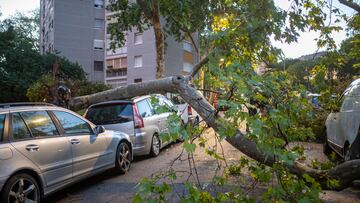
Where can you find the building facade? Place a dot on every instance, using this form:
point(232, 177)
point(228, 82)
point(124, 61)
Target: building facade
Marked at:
point(76, 29)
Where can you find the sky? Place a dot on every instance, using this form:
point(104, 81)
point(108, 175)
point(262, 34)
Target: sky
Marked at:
point(305, 44)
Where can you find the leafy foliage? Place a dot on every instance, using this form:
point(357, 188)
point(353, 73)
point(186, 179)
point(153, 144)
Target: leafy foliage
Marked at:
point(27, 75)
point(274, 106)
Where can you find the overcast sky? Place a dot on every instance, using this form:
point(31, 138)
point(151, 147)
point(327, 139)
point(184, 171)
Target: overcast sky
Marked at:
point(305, 45)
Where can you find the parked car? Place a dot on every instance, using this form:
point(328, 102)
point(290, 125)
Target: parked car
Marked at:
point(44, 148)
point(136, 117)
point(343, 128)
point(185, 111)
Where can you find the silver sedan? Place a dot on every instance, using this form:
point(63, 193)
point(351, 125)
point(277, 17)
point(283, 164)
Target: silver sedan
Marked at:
point(44, 148)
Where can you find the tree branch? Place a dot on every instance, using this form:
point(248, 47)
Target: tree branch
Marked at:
point(345, 172)
point(197, 67)
point(351, 4)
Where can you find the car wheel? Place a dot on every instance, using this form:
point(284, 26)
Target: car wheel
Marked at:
point(197, 121)
point(123, 158)
point(21, 188)
point(326, 148)
point(155, 146)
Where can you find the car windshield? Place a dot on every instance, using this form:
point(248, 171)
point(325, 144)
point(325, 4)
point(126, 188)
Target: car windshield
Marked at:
point(110, 114)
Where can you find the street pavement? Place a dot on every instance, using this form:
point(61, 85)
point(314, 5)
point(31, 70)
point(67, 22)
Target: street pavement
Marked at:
point(109, 187)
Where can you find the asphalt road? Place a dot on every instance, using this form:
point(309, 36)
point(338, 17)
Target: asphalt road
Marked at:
point(111, 187)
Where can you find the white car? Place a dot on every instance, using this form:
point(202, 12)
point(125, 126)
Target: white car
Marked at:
point(343, 128)
point(185, 111)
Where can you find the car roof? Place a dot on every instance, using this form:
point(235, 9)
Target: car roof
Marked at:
point(134, 99)
point(13, 107)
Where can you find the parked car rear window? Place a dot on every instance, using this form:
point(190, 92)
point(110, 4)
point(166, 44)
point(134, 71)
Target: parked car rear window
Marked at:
point(2, 122)
point(144, 108)
point(39, 123)
point(73, 124)
point(110, 114)
point(19, 129)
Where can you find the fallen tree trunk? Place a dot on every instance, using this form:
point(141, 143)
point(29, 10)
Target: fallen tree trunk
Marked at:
point(345, 173)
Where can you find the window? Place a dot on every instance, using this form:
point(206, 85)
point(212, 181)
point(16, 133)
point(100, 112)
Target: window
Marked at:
point(350, 104)
point(2, 122)
point(144, 108)
point(138, 62)
point(39, 123)
point(117, 63)
point(98, 44)
point(116, 73)
point(99, 3)
point(19, 129)
point(188, 67)
point(137, 80)
point(98, 65)
point(161, 104)
point(99, 23)
point(110, 114)
point(187, 46)
point(73, 124)
point(138, 38)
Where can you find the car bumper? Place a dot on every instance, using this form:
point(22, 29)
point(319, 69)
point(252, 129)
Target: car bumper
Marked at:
point(140, 146)
point(2, 182)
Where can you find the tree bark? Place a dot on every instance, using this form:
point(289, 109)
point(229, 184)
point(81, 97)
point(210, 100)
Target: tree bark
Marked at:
point(159, 40)
point(345, 173)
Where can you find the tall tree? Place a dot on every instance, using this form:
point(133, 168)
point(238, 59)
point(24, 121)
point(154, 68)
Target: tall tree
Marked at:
point(180, 19)
point(274, 105)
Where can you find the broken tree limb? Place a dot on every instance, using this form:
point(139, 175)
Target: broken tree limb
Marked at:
point(346, 172)
point(136, 89)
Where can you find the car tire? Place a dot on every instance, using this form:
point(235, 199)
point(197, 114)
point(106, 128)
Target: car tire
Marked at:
point(123, 158)
point(326, 148)
point(197, 121)
point(21, 188)
point(155, 146)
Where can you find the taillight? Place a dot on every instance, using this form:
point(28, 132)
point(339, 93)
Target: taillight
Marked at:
point(189, 110)
point(138, 121)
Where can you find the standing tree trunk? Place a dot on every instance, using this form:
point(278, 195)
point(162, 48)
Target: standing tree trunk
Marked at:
point(159, 39)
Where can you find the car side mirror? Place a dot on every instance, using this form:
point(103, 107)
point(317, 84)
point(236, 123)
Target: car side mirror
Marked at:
point(99, 129)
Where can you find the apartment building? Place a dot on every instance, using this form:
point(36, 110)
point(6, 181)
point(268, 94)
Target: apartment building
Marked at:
point(76, 29)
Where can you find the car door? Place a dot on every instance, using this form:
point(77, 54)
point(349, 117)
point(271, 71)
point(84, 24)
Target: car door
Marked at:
point(349, 116)
point(34, 134)
point(332, 127)
point(90, 151)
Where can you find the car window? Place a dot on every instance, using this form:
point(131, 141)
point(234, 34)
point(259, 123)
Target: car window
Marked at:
point(350, 103)
point(39, 123)
point(354, 91)
point(19, 129)
point(165, 104)
point(110, 114)
point(144, 108)
point(2, 122)
point(73, 124)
